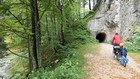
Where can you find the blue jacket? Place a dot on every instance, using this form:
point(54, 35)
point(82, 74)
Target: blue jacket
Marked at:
point(123, 51)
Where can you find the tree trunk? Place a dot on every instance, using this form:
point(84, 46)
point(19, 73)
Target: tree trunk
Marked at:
point(62, 26)
point(54, 24)
point(36, 36)
point(47, 29)
point(62, 34)
point(89, 4)
point(98, 3)
point(61, 29)
point(83, 5)
point(29, 41)
point(94, 3)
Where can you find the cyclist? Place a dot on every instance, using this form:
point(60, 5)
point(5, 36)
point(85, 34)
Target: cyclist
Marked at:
point(123, 51)
point(123, 54)
point(116, 40)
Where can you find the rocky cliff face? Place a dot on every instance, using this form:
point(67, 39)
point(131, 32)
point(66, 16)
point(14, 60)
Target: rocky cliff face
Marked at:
point(116, 16)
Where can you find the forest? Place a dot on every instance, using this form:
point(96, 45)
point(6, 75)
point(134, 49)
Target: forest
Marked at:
point(48, 39)
point(41, 37)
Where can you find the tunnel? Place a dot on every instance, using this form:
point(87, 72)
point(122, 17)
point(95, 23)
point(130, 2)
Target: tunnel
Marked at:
point(101, 37)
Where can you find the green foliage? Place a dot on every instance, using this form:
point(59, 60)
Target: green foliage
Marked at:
point(135, 55)
point(3, 47)
point(78, 32)
point(90, 15)
point(67, 70)
point(19, 67)
point(70, 63)
point(69, 56)
point(134, 44)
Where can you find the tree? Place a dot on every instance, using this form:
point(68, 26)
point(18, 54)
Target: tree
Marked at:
point(35, 38)
point(46, 30)
point(89, 4)
point(60, 6)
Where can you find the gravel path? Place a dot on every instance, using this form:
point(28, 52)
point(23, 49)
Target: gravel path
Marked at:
point(101, 65)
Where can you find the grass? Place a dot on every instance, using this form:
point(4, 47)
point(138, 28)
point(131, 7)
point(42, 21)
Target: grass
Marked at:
point(18, 66)
point(70, 67)
point(136, 56)
point(89, 48)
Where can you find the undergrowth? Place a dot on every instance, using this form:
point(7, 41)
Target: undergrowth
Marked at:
point(133, 46)
point(69, 68)
point(71, 59)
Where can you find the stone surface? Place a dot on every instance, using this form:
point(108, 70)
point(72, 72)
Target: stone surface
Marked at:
point(120, 16)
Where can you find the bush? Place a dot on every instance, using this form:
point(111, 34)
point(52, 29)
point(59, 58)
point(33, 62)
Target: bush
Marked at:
point(67, 70)
point(134, 44)
point(3, 48)
point(71, 59)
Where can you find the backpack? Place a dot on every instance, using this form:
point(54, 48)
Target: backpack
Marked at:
point(123, 52)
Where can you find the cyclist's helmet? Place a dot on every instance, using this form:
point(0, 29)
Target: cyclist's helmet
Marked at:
point(121, 44)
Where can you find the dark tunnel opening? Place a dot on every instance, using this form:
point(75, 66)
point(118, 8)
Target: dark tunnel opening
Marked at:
point(101, 37)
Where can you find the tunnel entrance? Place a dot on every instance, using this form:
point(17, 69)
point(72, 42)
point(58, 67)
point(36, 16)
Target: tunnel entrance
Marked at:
point(101, 37)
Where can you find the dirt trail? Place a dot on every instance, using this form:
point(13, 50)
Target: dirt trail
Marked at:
point(101, 65)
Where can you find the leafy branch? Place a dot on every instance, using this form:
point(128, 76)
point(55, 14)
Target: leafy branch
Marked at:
point(15, 17)
point(17, 54)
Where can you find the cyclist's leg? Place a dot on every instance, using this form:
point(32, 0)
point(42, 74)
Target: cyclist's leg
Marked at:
point(115, 49)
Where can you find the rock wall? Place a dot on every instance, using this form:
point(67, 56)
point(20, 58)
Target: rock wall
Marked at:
point(116, 16)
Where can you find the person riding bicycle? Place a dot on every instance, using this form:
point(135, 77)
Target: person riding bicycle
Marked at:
point(116, 40)
point(123, 51)
point(123, 54)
